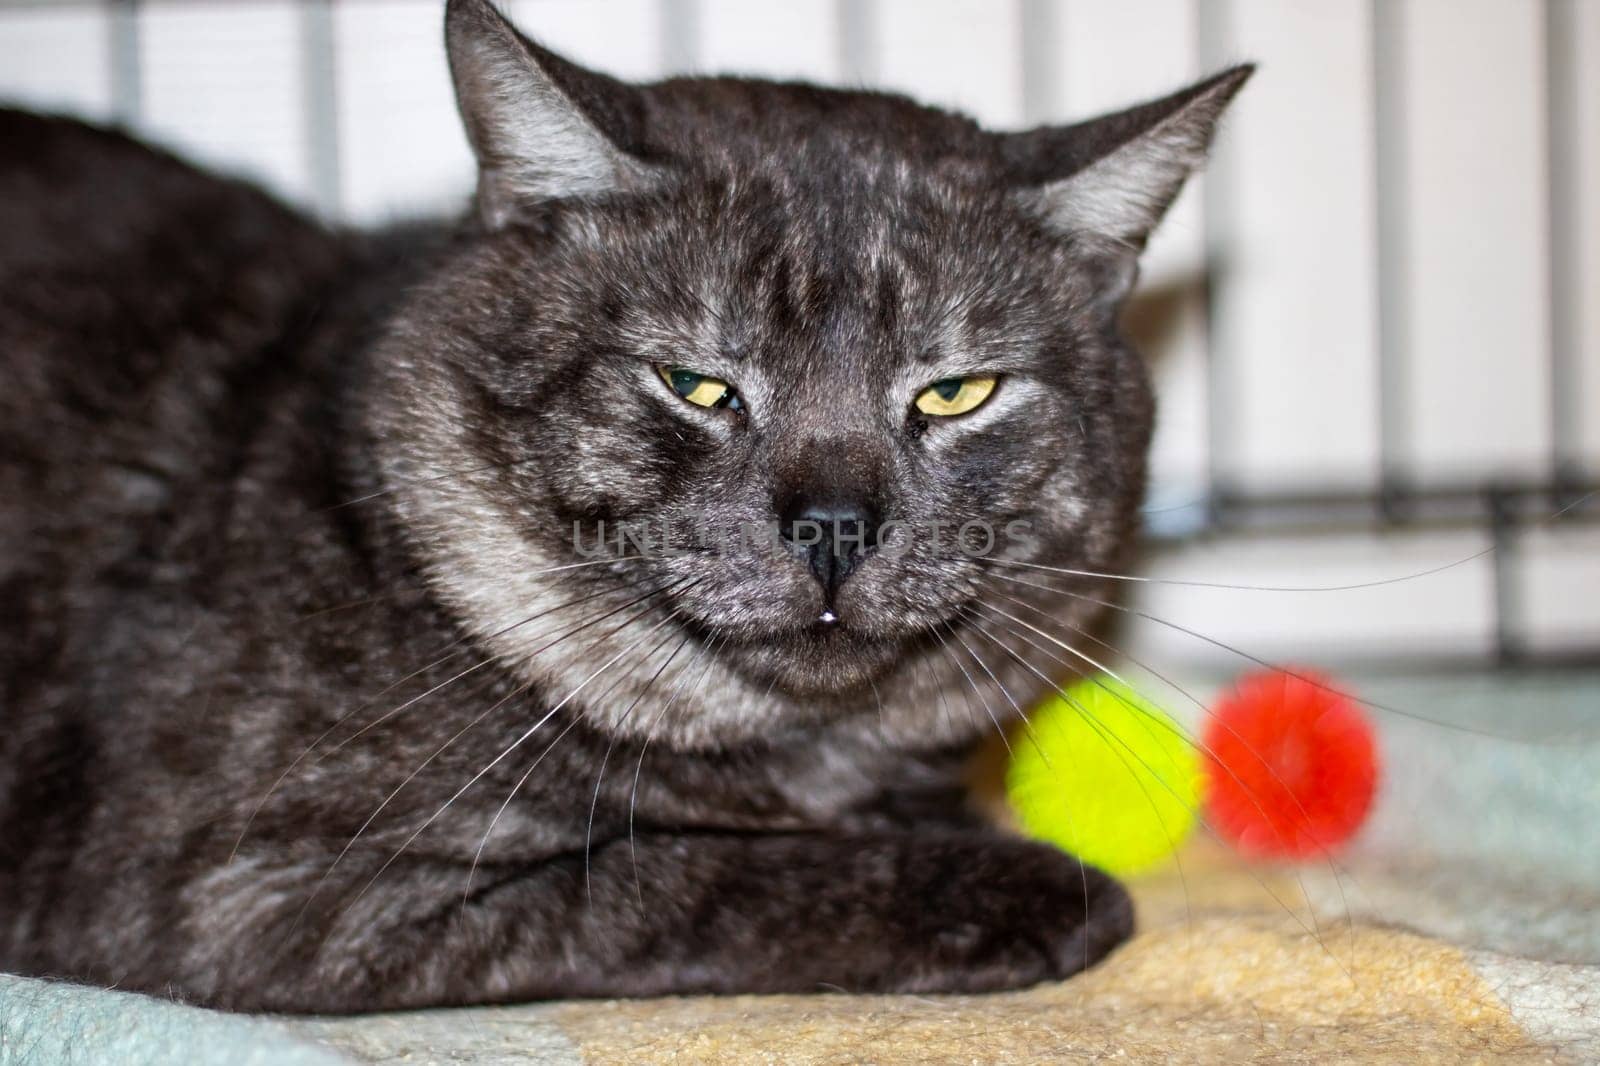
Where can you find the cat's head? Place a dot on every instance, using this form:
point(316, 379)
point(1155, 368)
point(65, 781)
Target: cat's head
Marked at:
point(749, 395)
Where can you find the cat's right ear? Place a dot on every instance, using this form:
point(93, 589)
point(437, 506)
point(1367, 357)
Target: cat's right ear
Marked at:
point(541, 127)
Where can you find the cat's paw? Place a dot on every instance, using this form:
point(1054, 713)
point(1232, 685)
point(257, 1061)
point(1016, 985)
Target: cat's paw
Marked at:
point(984, 912)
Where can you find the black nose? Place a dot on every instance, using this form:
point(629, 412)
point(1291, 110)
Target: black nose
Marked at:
point(832, 536)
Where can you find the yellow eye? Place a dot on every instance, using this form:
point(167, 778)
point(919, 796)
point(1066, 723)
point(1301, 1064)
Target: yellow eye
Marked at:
point(955, 396)
point(698, 389)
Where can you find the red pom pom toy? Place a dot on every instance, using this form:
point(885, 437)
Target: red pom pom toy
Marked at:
point(1291, 764)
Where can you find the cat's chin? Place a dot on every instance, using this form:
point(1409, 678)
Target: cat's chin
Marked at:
point(823, 660)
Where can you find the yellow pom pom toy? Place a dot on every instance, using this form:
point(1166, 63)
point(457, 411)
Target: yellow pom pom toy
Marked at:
point(1104, 774)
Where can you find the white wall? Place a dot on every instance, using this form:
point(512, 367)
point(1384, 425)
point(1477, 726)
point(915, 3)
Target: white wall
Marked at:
point(1367, 281)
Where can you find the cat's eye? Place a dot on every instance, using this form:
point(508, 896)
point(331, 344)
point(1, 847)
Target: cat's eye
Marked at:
point(700, 389)
point(955, 396)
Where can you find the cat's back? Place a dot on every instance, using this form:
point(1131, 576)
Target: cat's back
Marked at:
point(137, 297)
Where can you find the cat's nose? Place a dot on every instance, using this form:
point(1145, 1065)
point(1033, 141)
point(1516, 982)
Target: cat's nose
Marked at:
point(833, 536)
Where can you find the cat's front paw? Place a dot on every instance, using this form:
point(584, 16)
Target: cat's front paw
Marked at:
point(986, 912)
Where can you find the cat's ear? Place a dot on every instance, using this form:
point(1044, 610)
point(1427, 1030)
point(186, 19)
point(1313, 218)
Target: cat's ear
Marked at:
point(541, 127)
point(1113, 177)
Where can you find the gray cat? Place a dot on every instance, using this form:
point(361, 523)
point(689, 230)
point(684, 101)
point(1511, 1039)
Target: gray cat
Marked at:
point(375, 635)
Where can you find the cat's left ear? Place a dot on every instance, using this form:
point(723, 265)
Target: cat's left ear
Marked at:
point(1113, 177)
point(542, 128)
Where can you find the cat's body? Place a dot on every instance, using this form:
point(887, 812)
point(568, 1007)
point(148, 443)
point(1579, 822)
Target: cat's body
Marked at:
point(293, 616)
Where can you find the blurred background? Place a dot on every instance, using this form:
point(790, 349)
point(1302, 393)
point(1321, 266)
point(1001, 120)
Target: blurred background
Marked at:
point(1371, 320)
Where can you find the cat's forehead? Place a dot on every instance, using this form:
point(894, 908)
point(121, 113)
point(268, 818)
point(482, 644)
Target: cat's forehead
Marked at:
point(904, 265)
